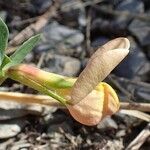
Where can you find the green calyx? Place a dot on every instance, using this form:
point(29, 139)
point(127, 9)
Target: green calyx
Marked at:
point(35, 85)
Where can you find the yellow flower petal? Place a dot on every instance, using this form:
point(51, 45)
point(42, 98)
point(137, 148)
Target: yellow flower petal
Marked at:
point(95, 106)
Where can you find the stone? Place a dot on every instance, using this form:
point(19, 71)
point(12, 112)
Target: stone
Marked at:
point(11, 110)
point(63, 65)
point(56, 33)
point(148, 53)
point(55, 139)
point(73, 13)
point(22, 146)
point(56, 128)
point(57, 131)
point(128, 121)
point(11, 128)
point(82, 18)
point(40, 6)
point(114, 145)
point(133, 6)
point(29, 57)
point(146, 4)
point(132, 64)
point(105, 27)
point(121, 133)
point(141, 30)
point(42, 47)
point(107, 123)
point(3, 15)
point(61, 39)
point(99, 41)
point(42, 147)
point(144, 72)
point(142, 94)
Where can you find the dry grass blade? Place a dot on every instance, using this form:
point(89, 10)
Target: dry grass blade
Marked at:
point(137, 114)
point(144, 107)
point(140, 139)
point(102, 62)
point(29, 98)
point(42, 99)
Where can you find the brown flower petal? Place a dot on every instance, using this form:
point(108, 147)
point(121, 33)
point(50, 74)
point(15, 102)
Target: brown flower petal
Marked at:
point(102, 62)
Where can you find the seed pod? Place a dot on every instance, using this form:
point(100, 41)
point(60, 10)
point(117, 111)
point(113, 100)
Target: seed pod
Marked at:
point(102, 62)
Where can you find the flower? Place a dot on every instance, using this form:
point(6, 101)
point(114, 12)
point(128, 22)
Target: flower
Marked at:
point(87, 98)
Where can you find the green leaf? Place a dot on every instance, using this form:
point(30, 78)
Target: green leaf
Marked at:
point(2, 72)
point(22, 51)
point(6, 60)
point(3, 39)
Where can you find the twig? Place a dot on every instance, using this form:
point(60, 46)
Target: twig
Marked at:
point(88, 31)
point(46, 100)
point(123, 90)
point(29, 99)
point(145, 107)
point(68, 137)
point(125, 80)
point(137, 114)
point(43, 20)
point(78, 4)
point(4, 145)
point(41, 60)
point(140, 139)
point(22, 22)
point(11, 49)
point(35, 27)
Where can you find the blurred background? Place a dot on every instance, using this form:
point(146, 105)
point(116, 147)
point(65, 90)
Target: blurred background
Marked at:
point(71, 31)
